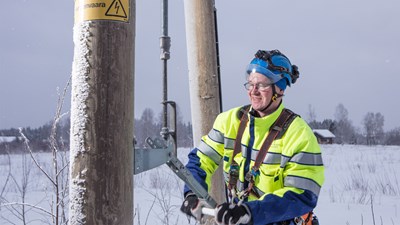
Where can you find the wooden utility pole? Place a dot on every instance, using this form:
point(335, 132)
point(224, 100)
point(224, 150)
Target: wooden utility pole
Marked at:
point(101, 156)
point(203, 76)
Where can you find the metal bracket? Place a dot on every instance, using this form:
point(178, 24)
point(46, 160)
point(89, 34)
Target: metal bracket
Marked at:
point(164, 152)
point(182, 172)
point(149, 158)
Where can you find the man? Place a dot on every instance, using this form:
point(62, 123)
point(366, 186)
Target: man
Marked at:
point(271, 159)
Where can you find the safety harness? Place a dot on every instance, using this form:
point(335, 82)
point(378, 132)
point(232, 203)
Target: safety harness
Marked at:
point(277, 130)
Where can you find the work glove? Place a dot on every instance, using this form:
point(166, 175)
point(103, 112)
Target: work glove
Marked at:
point(192, 206)
point(228, 214)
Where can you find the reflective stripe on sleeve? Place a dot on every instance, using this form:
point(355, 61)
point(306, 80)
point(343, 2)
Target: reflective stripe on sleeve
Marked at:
point(210, 152)
point(216, 136)
point(284, 161)
point(302, 183)
point(229, 143)
point(306, 158)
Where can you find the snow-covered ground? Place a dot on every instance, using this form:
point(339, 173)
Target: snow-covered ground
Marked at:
point(362, 187)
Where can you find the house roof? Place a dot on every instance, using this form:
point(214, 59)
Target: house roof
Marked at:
point(324, 133)
point(6, 139)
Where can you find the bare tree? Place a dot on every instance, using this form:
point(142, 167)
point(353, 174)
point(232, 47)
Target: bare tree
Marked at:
point(344, 130)
point(57, 176)
point(3, 199)
point(60, 167)
point(22, 188)
point(341, 113)
point(373, 128)
point(311, 115)
point(146, 126)
point(18, 207)
point(4, 186)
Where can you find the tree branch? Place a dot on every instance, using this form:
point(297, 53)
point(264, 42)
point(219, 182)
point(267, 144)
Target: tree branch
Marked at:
point(27, 204)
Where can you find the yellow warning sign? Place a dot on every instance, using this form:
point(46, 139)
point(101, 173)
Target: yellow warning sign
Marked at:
point(102, 10)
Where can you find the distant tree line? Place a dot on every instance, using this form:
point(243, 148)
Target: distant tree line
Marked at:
point(148, 125)
point(38, 138)
point(371, 133)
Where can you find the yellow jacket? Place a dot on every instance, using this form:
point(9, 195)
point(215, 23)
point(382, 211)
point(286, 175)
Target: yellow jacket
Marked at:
point(291, 174)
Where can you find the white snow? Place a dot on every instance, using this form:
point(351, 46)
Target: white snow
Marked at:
point(362, 187)
point(80, 86)
point(77, 194)
point(79, 117)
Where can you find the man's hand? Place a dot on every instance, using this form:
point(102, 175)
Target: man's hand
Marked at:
point(227, 214)
point(192, 206)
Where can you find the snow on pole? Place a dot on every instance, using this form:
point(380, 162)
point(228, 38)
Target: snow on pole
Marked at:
point(101, 136)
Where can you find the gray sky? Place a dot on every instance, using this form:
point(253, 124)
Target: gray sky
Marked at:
point(347, 52)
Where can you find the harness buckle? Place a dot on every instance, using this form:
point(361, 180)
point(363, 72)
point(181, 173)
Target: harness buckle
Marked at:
point(254, 172)
point(233, 175)
point(299, 220)
point(249, 177)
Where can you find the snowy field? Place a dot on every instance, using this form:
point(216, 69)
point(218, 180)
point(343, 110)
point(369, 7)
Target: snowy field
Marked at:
point(362, 187)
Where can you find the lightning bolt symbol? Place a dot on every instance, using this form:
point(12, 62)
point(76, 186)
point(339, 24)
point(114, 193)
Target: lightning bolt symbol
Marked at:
point(116, 6)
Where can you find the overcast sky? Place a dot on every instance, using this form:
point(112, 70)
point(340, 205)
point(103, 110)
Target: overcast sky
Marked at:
point(347, 52)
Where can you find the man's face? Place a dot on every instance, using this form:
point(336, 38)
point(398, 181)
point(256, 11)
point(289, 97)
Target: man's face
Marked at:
point(261, 98)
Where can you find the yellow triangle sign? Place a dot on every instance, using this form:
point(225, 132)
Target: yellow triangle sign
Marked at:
point(116, 9)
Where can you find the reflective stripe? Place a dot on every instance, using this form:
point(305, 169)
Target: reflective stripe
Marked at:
point(210, 152)
point(303, 158)
point(270, 158)
point(229, 143)
point(302, 183)
point(285, 160)
point(216, 136)
point(306, 158)
point(244, 150)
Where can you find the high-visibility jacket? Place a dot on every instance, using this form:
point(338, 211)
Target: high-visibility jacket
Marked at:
point(291, 174)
